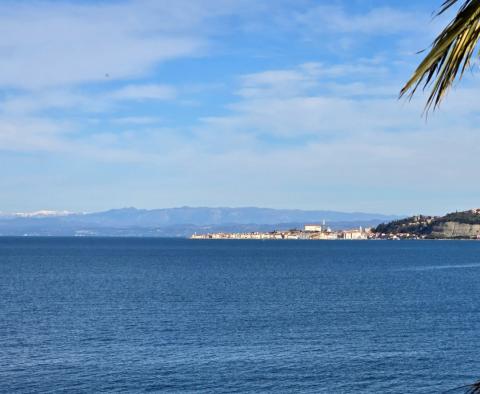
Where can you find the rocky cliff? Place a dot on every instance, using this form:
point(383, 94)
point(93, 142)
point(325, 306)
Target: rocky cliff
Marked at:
point(456, 225)
point(455, 230)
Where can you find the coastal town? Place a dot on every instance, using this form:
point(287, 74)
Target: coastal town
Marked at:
point(463, 225)
point(309, 232)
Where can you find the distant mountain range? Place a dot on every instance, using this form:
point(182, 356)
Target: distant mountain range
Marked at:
point(176, 222)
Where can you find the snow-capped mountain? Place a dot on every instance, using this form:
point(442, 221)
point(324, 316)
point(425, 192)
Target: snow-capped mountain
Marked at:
point(35, 214)
point(42, 214)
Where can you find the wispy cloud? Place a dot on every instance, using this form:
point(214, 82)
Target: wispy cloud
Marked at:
point(49, 43)
point(374, 21)
point(144, 92)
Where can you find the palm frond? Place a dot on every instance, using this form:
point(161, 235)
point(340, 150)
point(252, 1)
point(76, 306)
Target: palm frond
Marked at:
point(450, 54)
point(474, 388)
point(467, 389)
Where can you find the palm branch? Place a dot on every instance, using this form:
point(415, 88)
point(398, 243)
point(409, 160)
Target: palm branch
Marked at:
point(447, 60)
point(474, 388)
point(450, 53)
point(467, 389)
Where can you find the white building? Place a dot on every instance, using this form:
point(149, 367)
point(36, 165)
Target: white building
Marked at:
point(354, 234)
point(312, 228)
point(324, 235)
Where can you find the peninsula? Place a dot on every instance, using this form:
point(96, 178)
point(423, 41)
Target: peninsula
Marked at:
point(456, 225)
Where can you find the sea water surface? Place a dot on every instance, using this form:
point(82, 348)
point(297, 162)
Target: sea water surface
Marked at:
point(171, 315)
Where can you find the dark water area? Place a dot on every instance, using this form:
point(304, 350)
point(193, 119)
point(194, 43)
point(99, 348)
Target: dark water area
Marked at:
point(170, 315)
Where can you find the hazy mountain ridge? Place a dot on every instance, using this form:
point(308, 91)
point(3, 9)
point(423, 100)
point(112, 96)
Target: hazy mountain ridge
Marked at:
point(182, 221)
point(205, 215)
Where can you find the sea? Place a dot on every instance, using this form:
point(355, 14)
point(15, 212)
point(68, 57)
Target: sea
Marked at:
point(95, 315)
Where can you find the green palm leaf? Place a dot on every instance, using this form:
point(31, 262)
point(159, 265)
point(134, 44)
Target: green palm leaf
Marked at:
point(450, 54)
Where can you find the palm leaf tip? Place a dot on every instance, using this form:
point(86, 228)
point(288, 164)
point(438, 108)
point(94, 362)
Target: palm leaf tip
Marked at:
point(449, 55)
point(474, 388)
point(467, 389)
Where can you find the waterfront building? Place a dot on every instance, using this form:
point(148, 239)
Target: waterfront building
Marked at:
point(312, 228)
point(354, 234)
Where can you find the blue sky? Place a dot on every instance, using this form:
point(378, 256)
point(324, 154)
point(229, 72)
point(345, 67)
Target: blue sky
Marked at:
point(285, 104)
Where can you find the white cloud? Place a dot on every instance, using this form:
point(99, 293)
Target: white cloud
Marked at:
point(29, 134)
point(144, 92)
point(279, 83)
point(137, 120)
point(376, 21)
point(48, 43)
point(313, 99)
point(36, 101)
point(306, 77)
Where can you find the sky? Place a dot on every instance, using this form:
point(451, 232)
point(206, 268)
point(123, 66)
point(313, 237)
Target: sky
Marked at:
point(281, 104)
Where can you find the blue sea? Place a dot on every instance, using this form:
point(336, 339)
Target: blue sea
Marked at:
point(172, 315)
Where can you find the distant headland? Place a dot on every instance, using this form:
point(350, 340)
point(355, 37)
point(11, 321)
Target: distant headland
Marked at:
point(455, 225)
